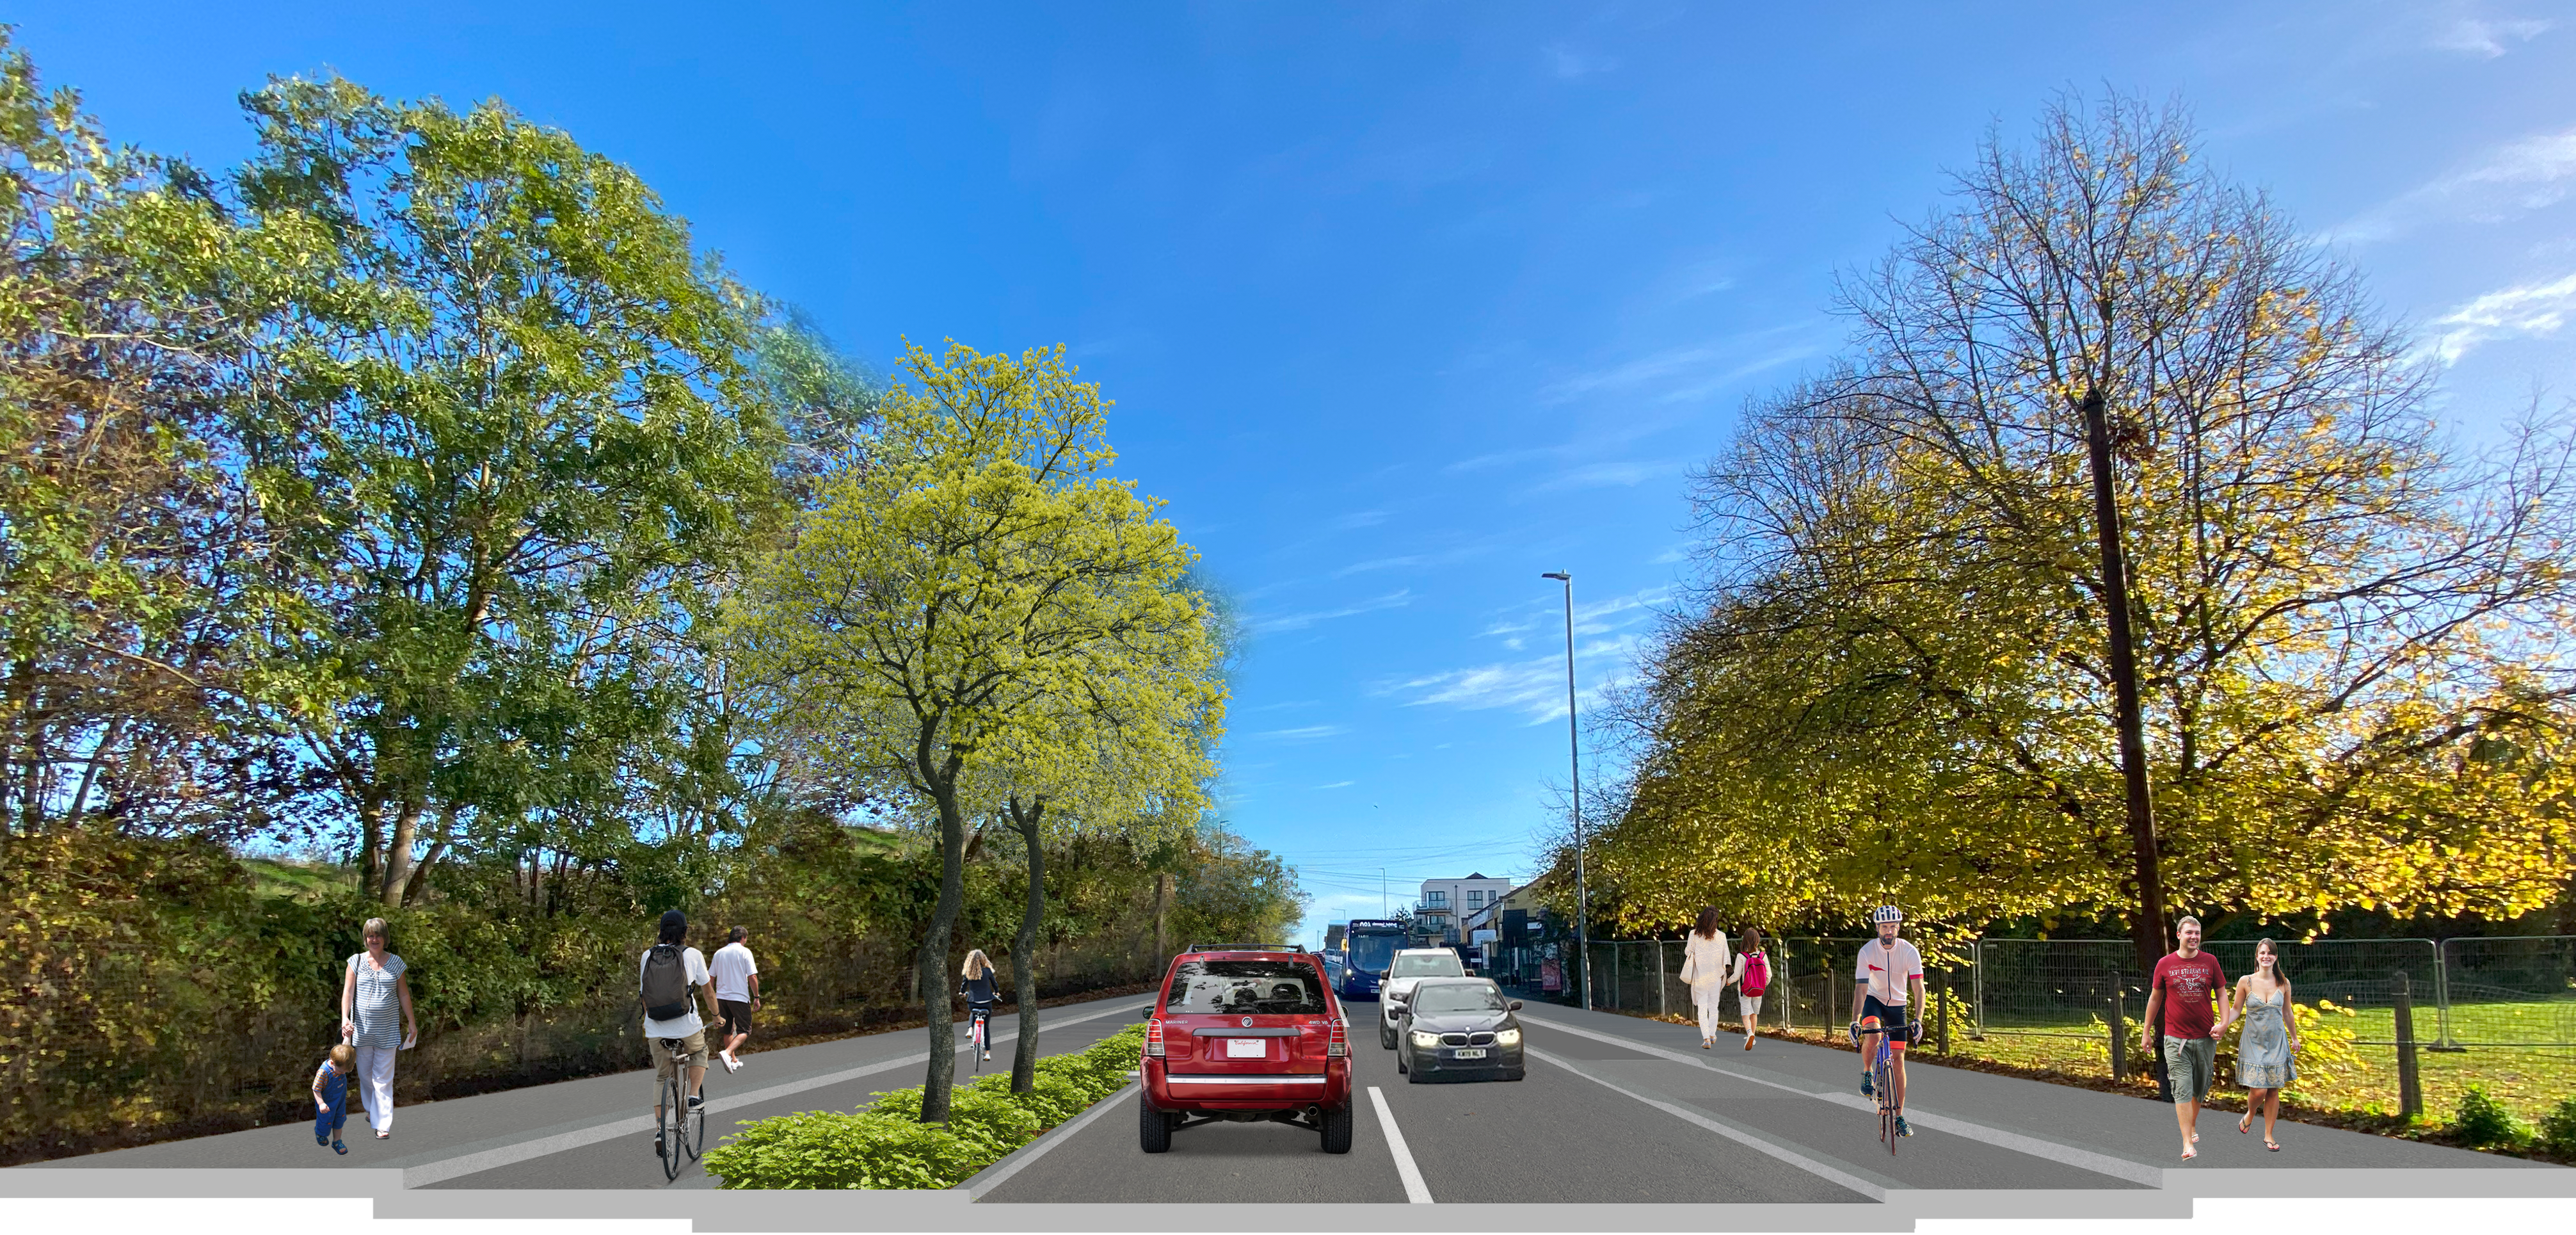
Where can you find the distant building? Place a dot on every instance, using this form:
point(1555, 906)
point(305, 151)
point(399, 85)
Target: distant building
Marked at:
point(1446, 903)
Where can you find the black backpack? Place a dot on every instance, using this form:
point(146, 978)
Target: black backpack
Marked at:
point(666, 983)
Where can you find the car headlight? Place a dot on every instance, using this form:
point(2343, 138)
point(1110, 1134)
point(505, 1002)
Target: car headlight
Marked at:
point(1425, 1039)
point(1507, 1037)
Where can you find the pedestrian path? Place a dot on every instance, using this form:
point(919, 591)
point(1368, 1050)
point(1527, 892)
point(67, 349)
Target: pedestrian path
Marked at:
point(436, 1142)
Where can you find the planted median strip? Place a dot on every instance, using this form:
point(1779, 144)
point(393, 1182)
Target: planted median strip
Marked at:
point(885, 1144)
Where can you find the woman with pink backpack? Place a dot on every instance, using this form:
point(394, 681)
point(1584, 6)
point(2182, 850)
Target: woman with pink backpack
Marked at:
point(1752, 976)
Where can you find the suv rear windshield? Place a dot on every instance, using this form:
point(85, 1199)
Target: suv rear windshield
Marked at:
point(1267, 988)
point(1454, 997)
point(1444, 965)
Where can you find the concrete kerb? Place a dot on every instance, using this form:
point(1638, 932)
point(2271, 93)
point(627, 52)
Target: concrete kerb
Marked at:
point(2094, 1161)
point(991, 1177)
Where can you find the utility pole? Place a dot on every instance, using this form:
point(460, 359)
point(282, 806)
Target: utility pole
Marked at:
point(1574, 764)
point(2148, 932)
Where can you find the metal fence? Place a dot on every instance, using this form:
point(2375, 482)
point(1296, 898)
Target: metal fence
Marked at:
point(2508, 992)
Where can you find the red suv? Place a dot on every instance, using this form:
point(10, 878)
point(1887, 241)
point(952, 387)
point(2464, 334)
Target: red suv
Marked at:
point(1246, 1035)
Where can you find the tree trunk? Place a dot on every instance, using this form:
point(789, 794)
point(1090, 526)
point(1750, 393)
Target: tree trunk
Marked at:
point(1024, 949)
point(2147, 929)
point(936, 984)
point(398, 856)
point(1162, 933)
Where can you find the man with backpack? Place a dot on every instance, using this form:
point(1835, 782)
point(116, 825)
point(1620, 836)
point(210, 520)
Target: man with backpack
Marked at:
point(671, 971)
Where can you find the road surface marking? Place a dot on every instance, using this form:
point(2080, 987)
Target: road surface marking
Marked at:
point(2063, 1155)
point(991, 1177)
point(1831, 1174)
point(467, 1164)
point(1415, 1191)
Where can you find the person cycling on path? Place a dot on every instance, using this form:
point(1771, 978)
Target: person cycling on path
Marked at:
point(671, 971)
point(981, 994)
point(1886, 982)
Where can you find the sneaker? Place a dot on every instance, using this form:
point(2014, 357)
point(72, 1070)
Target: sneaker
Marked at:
point(695, 1100)
point(732, 1064)
point(1901, 1128)
point(658, 1149)
point(1866, 1089)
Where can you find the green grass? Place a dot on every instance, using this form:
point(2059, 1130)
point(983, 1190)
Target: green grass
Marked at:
point(303, 881)
point(2529, 1081)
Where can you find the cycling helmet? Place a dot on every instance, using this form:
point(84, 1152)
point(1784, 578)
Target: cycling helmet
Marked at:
point(1885, 913)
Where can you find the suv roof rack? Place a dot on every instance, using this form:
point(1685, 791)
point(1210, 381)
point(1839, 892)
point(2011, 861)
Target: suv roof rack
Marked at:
point(1245, 947)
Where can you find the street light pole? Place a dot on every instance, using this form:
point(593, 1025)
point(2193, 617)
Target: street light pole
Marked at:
point(1574, 762)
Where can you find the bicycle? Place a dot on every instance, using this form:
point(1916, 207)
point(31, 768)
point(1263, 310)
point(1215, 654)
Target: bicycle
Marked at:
point(1882, 1074)
point(979, 1033)
point(683, 1129)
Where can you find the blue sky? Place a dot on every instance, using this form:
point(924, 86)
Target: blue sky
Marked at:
point(1403, 304)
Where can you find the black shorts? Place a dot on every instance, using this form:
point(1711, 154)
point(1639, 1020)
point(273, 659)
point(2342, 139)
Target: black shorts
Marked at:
point(737, 1016)
point(1891, 1020)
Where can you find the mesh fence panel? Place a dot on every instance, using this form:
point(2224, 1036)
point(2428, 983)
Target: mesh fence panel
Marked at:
point(2514, 992)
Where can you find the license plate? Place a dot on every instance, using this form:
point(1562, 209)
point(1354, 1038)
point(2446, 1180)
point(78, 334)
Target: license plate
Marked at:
point(1468, 1052)
point(1247, 1048)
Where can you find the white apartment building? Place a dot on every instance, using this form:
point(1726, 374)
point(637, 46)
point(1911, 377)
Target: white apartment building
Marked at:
point(1446, 902)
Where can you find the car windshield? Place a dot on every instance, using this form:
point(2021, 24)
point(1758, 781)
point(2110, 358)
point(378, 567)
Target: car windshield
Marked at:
point(1454, 997)
point(1370, 953)
point(1444, 965)
point(1266, 988)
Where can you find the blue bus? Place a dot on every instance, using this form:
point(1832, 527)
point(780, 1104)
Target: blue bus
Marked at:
point(1368, 948)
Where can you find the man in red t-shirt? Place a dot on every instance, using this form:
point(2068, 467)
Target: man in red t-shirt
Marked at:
point(2191, 992)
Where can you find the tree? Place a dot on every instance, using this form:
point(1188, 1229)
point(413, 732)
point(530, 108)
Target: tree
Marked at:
point(981, 579)
point(133, 559)
point(505, 406)
point(2350, 635)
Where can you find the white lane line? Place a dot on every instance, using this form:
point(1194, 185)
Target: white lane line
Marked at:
point(1415, 1191)
point(2064, 1155)
point(1821, 1170)
point(445, 1169)
point(991, 1177)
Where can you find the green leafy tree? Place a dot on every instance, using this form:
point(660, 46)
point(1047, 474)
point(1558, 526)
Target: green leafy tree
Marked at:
point(980, 582)
point(508, 410)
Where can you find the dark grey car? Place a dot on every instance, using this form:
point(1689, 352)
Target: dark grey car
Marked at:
point(1459, 1029)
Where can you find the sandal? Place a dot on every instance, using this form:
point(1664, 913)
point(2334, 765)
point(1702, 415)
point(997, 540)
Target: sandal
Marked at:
point(2246, 1124)
point(2270, 1144)
point(2189, 1154)
point(342, 1148)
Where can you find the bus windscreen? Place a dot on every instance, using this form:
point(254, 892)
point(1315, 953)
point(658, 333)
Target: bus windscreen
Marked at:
point(1372, 953)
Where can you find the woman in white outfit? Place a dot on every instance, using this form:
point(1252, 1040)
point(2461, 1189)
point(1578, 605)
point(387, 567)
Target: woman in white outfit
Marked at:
point(1704, 966)
point(373, 986)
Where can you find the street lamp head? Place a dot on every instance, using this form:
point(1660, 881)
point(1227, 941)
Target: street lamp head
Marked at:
point(1558, 575)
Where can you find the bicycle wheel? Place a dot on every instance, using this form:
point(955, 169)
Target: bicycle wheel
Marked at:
point(696, 1123)
point(672, 1124)
point(1887, 1095)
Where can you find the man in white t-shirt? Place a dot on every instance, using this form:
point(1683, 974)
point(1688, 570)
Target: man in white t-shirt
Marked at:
point(737, 992)
point(669, 974)
point(1887, 983)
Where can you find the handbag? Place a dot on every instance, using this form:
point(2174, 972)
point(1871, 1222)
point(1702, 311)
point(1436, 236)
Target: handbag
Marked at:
point(1690, 966)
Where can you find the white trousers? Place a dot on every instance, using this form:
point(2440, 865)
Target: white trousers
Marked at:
point(1706, 999)
point(376, 1073)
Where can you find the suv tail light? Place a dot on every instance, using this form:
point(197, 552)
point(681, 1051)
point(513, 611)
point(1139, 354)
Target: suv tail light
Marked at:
point(1154, 1038)
point(1336, 1047)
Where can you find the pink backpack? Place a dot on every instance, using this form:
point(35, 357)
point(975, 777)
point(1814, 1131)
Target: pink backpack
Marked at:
point(1757, 973)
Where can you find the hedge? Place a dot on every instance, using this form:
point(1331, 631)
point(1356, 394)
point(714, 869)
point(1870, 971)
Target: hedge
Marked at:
point(885, 1144)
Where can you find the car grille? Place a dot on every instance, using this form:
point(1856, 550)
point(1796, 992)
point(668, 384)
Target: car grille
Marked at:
point(1466, 1039)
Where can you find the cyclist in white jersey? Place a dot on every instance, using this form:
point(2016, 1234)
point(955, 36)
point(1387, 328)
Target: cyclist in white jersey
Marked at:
point(1887, 982)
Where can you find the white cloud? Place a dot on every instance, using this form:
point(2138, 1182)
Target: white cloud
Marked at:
point(1305, 733)
point(1536, 687)
point(1339, 784)
point(2480, 37)
point(2517, 178)
point(1359, 519)
point(1620, 474)
point(1396, 599)
point(2528, 309)
point(1677, 374)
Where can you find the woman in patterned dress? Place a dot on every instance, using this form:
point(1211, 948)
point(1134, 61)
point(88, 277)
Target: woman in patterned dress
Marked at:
point(373, 986)
point(2265, 1054)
